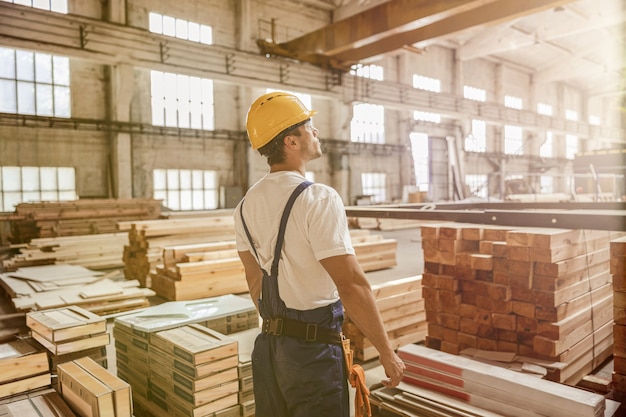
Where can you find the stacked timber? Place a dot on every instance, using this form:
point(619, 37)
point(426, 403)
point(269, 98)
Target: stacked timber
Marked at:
point(245, 343)
point(23, 367)
point(383, 223)
point(458, 386)
point(146, 240)
point(78, 217)
point(193, 371)
point(401, 307)
point(212, 272)
point(59, 285)
point(618, 272)
point(539, 293)
point(39, 402)
point(69, 333)
point(373, 251)
point(99, 252)
point(134, 336)
point(91, 390)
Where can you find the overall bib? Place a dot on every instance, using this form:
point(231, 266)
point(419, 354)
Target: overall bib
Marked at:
point(297, 360)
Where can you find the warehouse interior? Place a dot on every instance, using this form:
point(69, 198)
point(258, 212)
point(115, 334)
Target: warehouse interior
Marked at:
point(479, 146)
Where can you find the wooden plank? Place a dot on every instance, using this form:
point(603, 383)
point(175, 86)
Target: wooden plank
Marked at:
point(19, 359)
point(468, 378)
point(84, 393)
point(122, 397)
point(65, 323)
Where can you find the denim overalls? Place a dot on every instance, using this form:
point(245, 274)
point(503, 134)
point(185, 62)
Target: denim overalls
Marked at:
point(294, 377)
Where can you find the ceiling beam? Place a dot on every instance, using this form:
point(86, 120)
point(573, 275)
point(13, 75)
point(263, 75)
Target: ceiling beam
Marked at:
point(488, 14)
point(394, 24)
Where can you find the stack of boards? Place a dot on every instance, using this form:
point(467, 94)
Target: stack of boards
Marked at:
point(245, 343)
point(458, 386)
point(42, 402)
point(69, 333)
point(618, 271)
point(401, 307)
point(92, 391)
point(175, 360)
point(538, 293)
point(54, 286)
point(23, 367)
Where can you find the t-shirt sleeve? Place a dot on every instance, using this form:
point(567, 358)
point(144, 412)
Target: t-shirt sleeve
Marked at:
point(328, 226)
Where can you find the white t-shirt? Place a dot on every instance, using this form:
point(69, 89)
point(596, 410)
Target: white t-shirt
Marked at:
point(317, 229)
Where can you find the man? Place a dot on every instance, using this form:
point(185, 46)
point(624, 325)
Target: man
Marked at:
point(301, 272)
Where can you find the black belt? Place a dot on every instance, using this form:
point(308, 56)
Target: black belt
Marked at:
point(310, 332)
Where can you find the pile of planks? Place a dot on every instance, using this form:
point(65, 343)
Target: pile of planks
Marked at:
point(23, 367)
point(146, 240)
point(199, 271)
point(245, 342)
point(39, 402)
point(137, 348)
point(538, 293)
point(91, 390)
point(618, 271)
point(402, 309)
point(78, 217)
point(383, 224)
point(463, 387)
point(69, 333)
point(99, 252)
point(373, 251)
point(54, 286)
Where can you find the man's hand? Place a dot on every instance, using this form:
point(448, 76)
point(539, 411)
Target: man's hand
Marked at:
point(394, 369)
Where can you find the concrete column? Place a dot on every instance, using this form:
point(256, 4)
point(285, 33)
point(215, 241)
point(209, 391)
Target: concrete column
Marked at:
point(122, 84)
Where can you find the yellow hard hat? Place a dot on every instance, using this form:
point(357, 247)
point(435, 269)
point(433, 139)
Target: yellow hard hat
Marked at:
point(272, 113)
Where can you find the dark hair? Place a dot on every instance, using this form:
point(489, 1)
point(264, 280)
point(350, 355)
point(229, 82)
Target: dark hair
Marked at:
point(274, 150)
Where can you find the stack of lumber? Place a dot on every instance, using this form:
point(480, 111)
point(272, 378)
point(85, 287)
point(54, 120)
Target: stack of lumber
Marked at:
point(40, 402)
point(91, 390)
point(478, 386)
point(245, 343)
point(134, 333)
point(373, 251)
point(199, 271)
point(53, 286)
point(99, 252)
point(618, 272)
point(23, 367)
point(193, 371)
point(383, 223)
point(401, 307)
point(78, 217)
point(538, 293)
point(146, 240)
point(68, 333)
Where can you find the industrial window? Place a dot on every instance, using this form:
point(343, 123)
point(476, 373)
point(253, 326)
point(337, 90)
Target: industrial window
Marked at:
point(476, 141)
point(373, 72)
point(477, 184)
point(513, 140)
point(180, 28)
point(571, 146)
point(427, 116)
point(571, 115)
point(374, 185)
point(426, 83)
point(59, 6)
point(368, 123)
point(473, 93)
point(420, 154)
point(186, 189)
point(594, 120)
point(182, 101)
point(546, 184)
point(545, 109)
point(547, 147)
point(513, 102)
point(29, 184)
point(34, 83)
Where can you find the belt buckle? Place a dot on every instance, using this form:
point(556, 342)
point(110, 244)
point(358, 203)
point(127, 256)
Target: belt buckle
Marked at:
point(275, 327)
point(311, 328)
